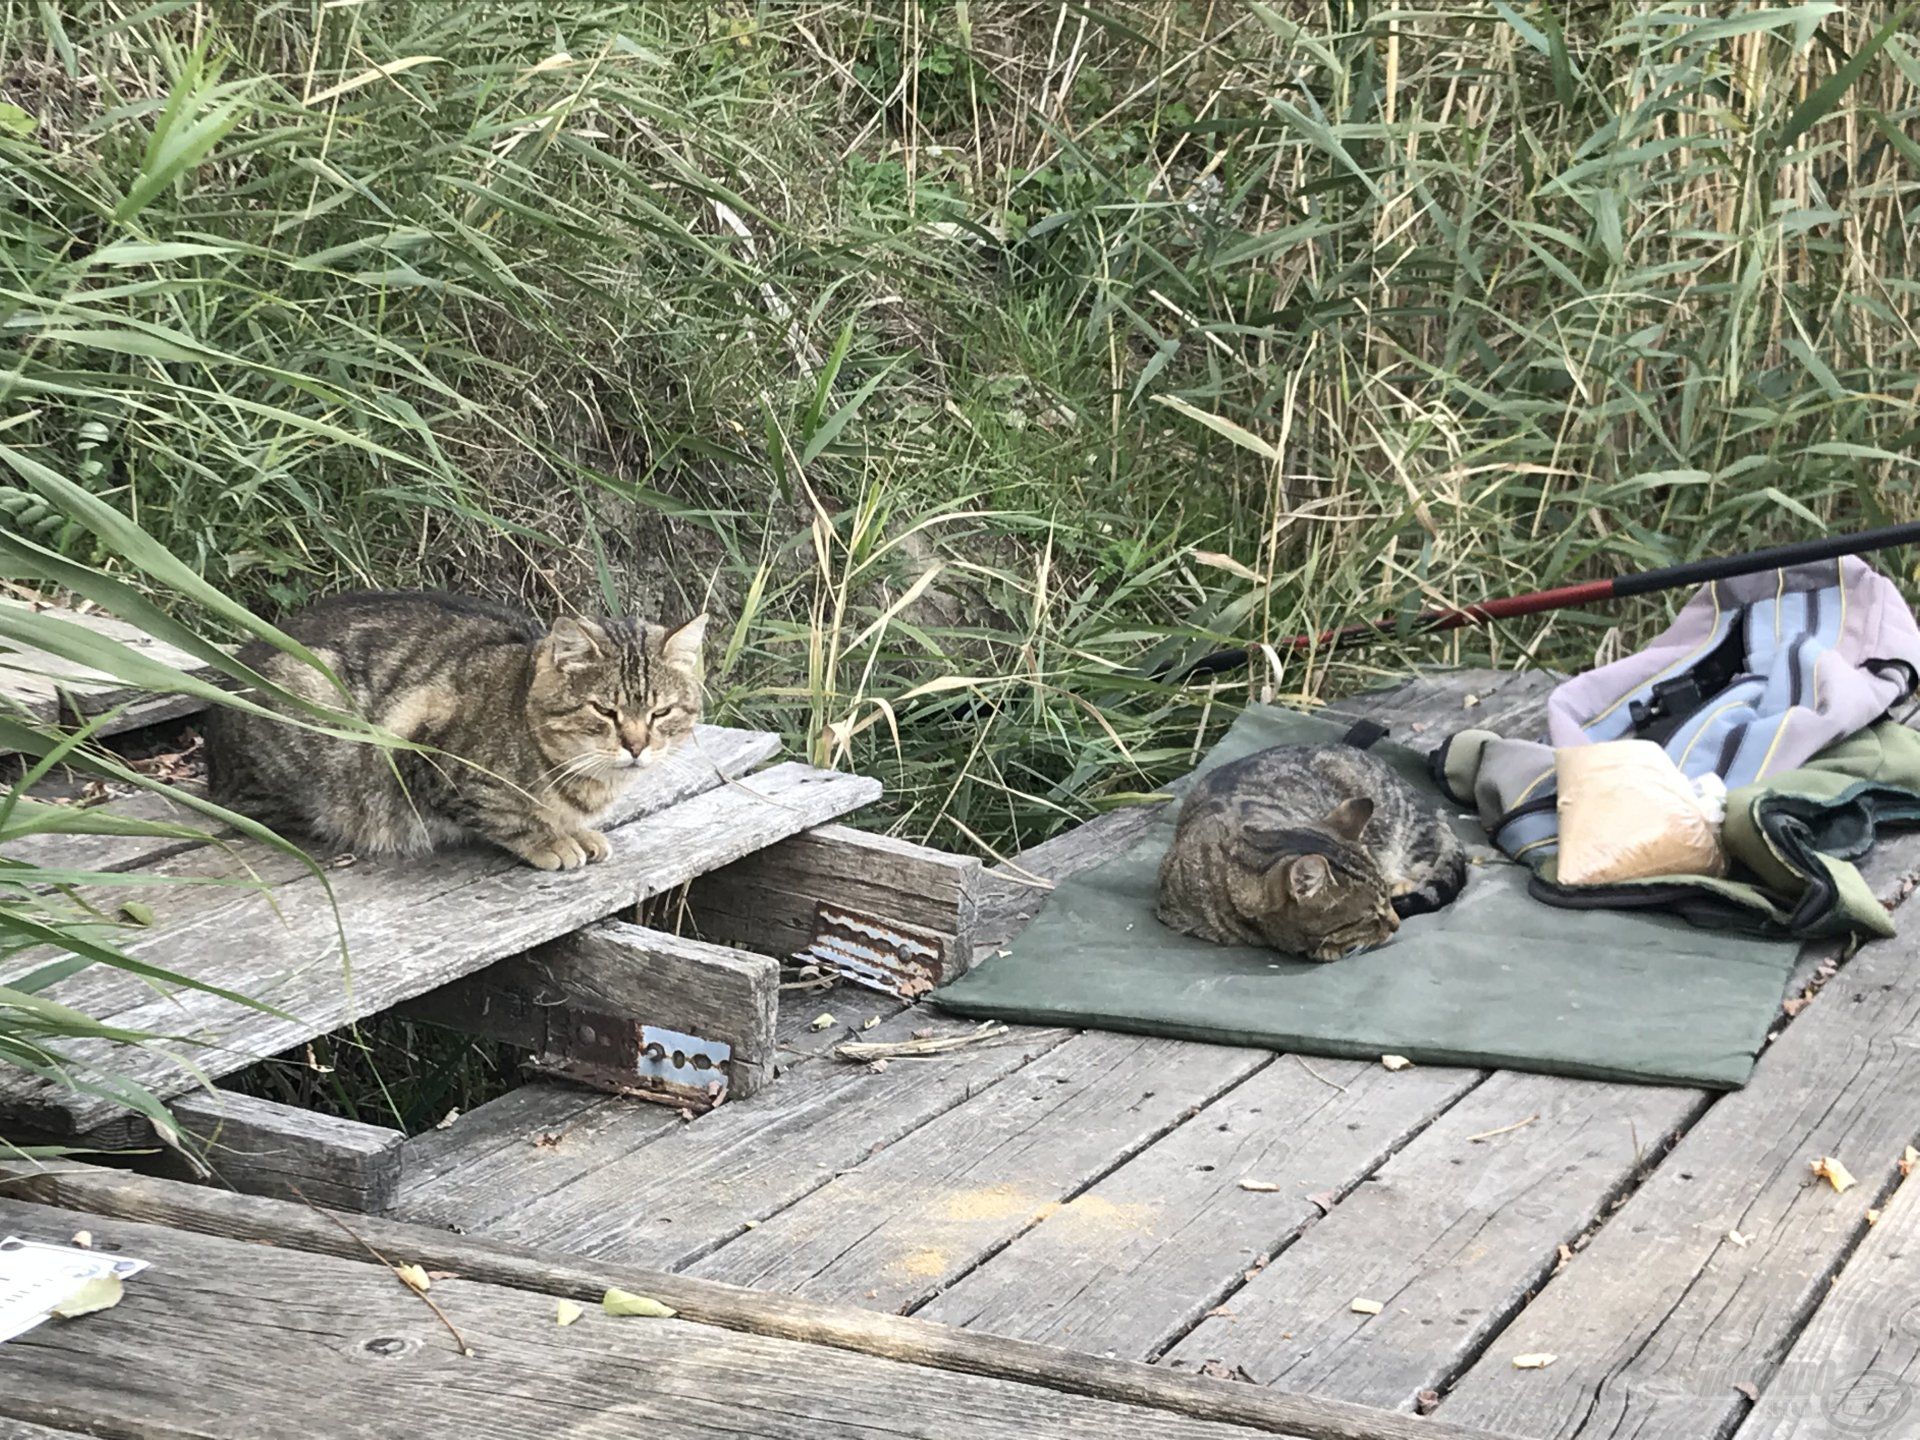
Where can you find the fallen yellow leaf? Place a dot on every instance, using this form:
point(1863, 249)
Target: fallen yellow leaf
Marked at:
point(1366, 1307)
point(625, 1302)
point(1533, 1362)
point(821, 1021)
point(1395, 1062)
point(565, 1313)
point(1834, 1173)
point(1260, 1185)
point(100, 1293)
point(1909, 1158)
point(413, 1277)
point(1873, 1217)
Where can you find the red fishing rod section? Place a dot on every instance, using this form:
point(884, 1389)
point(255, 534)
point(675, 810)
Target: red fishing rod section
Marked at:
point(1618, 587)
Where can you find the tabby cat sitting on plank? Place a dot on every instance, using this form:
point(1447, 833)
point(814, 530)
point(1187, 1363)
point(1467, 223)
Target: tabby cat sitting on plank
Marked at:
point(1315, 850)
point(533, 732)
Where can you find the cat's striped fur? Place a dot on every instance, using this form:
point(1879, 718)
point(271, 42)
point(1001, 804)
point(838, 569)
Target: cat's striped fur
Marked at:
point(1314, 850)
point(531, 732)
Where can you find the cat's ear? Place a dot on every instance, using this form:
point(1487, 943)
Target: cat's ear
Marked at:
point(1307, 876)
point(1349, 817)
point(575, 644)
point(682, 646)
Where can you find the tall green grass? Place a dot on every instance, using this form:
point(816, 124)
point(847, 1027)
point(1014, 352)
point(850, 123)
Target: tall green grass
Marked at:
point(977, 362)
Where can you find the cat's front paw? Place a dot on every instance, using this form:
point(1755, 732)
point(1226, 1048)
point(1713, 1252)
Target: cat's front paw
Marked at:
point(593, 843)
point(554, 852)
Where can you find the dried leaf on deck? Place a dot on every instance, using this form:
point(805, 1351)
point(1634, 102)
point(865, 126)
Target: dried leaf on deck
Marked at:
point(100, 1293)
point(413, 1277)
point(1834, 1173)
point(1537, 1361)
point(1873, 1217)
point(625, 1302)
point(565, 1312)
point(1748, 1389)
point(1263, 1186)
point(821, 1021)
point(1361, 1306)
point(83, 1239)
point(136, 913)
point(1395, 1062)
point(1426, 1402)
point(1909, 1158)
point(1738, 1239)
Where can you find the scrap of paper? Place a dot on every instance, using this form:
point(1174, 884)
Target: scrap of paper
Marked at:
point(37, 1279)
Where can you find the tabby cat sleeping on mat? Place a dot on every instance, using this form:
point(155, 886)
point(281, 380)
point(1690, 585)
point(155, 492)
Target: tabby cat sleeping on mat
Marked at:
point(1315, 850)
point(534, 732)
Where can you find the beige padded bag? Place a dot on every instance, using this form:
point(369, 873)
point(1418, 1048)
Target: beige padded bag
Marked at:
point(1627, 813)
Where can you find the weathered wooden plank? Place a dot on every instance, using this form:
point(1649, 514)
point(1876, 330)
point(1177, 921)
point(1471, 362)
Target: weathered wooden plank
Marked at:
point(225, 1340)
point(624, 1187)
point(1175, 1223)
point(109, 854)
point(261, 1147)
point(1855, 1371)
point(1450, 1235)
point(892, 1232)
point(469, 1155)
point(624, 973)
point(912, 1341)
point(768, 901)
point(50, 690)
point(25, 1430)
point(192, 920)
point(1663, 1313)
point(412, 925)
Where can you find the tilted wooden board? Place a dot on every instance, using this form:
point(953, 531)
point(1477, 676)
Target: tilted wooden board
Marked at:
point(413, 925)
point(49, 690)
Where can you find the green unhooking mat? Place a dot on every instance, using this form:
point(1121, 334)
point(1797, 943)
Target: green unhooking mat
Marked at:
point(1495, 979)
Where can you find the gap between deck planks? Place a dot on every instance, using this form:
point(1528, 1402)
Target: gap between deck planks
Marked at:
point(97, 1192)
point(1855, 1371)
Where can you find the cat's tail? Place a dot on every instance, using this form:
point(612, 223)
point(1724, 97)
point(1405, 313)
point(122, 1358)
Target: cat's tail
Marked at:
point(1443, 885)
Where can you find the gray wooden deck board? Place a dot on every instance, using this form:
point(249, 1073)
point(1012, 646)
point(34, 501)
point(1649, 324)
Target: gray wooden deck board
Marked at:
point(1663, 1313)
point(1175, 1223)
point(1855, 1371)
point(48, 689)
point(239, 1342)
point(627, 1188)
point(409, 926)
point(891, 1232)
point(1450, 1236)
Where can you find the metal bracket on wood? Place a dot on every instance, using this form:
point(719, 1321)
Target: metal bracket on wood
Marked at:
point(627, 1057)
point(880, 954)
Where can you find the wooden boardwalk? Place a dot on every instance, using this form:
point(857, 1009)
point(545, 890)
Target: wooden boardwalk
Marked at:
point(1220, 1210)
point(1123, 1235)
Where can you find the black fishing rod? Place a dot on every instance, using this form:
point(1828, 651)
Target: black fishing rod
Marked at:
point(1587, 592)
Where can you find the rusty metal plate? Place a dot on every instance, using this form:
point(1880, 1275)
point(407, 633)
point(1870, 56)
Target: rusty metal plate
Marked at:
point(875, 952)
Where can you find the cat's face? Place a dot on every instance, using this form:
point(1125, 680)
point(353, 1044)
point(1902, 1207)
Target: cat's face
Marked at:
point(1335, 902)
point(614, 695)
